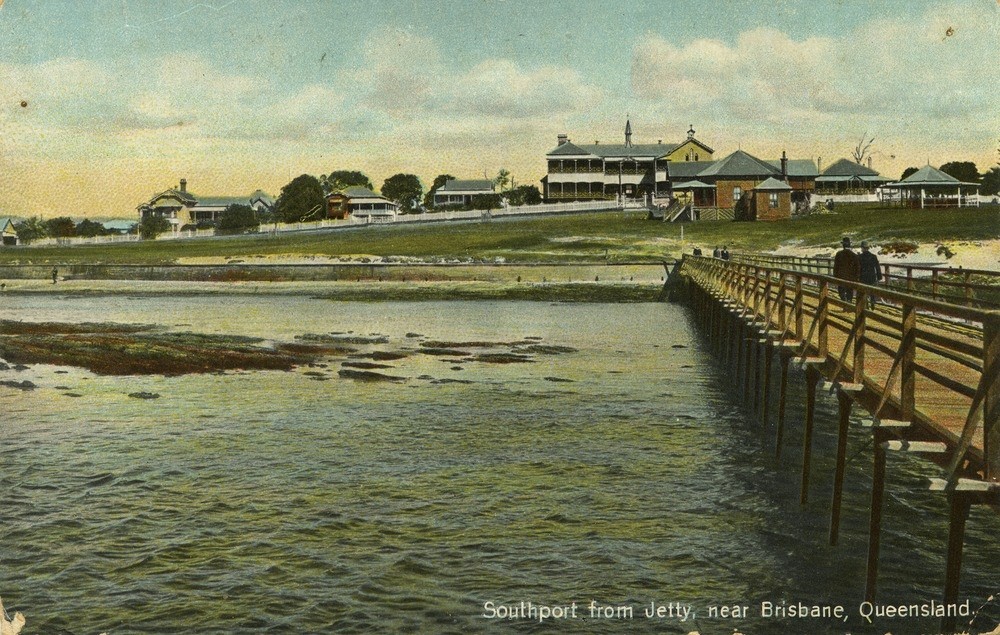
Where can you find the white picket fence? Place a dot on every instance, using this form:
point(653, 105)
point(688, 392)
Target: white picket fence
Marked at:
point(355, 221)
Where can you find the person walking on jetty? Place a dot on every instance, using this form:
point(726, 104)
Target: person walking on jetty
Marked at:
point(846, 266)
point(871, 272)
point(717, 252)
point(55, 275)
point(725, 253)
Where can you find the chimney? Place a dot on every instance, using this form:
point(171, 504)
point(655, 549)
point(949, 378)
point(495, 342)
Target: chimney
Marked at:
point(869, 163)
point(819, 164)
point(184, 185)
point(659, 142)
point(597, 142)
point(562, 139)
point(784, 165)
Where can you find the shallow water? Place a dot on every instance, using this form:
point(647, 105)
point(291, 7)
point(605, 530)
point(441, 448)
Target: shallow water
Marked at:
point(625, 473)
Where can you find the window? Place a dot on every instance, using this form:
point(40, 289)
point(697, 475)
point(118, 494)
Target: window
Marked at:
point(737, 193)
point(695, 156)
point(773, 199)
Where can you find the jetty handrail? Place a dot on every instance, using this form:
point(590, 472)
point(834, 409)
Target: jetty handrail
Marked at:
point(951, 351)
point(929, 280)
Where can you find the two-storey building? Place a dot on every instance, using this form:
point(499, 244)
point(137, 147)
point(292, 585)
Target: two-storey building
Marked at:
point(577, 172)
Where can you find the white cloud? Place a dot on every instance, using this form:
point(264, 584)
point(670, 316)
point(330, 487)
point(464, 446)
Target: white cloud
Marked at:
point(887, 74)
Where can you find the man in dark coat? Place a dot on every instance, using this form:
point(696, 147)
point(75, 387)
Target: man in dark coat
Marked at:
point(846, 266)
point(871, 272)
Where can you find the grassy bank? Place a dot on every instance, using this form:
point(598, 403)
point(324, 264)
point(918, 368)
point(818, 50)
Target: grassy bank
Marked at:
point(618, 236)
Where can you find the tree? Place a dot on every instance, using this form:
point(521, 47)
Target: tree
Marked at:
point(863, 149)
point(60, 227)
point(907, 172)
point(439, 182)
point(88, 228)
point(502, 179)
point(524, 195)
point(404, 189)
point(965, 171)
point(238, 219)
point(152, 226)
point(340, 179)
point(991, 182)
point(486, 201)
point(30, 229)
point(302, 199)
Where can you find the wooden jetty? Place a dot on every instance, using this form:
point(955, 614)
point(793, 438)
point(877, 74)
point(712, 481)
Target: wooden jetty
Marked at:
point(926, 370)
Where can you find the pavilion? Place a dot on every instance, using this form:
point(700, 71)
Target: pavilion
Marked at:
point(930, 187)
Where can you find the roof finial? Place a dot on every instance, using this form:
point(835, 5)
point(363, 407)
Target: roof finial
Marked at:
point(628, 131)
point(691, 132)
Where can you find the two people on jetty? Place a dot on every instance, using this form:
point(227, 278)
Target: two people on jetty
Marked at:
point(863, 268)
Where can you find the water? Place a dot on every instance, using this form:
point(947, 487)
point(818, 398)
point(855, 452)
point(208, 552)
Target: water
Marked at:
point(624, 473)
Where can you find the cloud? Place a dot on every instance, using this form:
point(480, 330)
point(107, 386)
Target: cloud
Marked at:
point(406, 77)
point(886, 73)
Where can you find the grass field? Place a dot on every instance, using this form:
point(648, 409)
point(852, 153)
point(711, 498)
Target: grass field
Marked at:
point(618, 236)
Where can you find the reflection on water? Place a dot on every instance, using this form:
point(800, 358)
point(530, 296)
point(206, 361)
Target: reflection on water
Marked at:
point(624, 472)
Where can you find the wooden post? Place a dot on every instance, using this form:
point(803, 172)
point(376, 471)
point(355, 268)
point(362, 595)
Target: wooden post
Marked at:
point(812, 378)
point(844, 403)
point(738, 342)
point(934, 284)
point(861, 301)
point(766, 398)
point(799, 332)
point(875, 521)
point(748, 371)
point(960, 504)
point(907, 368)
point(757, 349)
point(991, 400)
point(785, 357)
point(822, 316)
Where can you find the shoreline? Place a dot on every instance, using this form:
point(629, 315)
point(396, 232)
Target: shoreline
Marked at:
point(365, 290)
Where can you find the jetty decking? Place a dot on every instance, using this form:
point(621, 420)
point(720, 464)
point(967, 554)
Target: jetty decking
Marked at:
point(926, 370)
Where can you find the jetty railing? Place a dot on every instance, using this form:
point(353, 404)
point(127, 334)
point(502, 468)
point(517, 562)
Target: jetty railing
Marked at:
point(969, 287)
point(927, 372)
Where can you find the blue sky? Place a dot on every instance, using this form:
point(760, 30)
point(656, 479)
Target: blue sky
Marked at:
point(125, 97)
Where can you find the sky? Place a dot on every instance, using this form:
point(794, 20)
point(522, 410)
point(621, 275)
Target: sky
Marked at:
point(106, 102)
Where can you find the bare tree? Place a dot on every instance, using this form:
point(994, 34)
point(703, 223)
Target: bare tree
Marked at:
point(863, 149)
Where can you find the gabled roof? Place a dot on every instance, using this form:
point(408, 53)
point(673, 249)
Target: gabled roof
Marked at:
point(696, 142)
point(567, 148)
point(773, 185)
point(5, 223)
point(617, 150)
point(261, 195)
point(796, 167)
point(686, 169)
point(185, 197)
point(471, 185)
point(740, 163)
point(638, 151)
point(221, 201)
point(358, 191)
point(846, 167)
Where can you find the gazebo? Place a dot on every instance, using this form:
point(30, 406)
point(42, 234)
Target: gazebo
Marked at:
point(930, 187)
